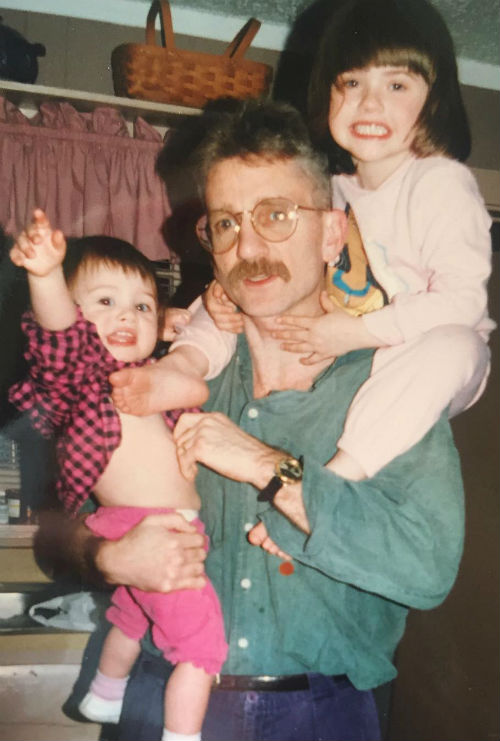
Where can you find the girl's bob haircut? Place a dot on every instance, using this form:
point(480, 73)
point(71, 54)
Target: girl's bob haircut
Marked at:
point(403, 33)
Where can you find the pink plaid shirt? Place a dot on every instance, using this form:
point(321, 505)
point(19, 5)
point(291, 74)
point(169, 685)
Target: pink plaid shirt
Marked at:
point(67, 394)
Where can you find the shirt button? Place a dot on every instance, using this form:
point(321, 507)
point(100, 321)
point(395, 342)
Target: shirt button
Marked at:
point(247, 526)
point(243, 642)
point(245, 583)
point(253, 413)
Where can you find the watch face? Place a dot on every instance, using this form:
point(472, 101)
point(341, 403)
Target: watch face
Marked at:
point(290, 470)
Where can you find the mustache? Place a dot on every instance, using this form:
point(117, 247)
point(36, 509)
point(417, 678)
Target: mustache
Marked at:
point(245, 269)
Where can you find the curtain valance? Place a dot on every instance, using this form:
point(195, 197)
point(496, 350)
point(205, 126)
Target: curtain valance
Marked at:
point(87, 172)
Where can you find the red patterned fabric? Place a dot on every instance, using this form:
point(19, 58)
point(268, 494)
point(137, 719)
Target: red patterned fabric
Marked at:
point(67, 394)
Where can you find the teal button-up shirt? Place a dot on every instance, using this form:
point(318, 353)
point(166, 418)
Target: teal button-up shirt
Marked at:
point(376, 548)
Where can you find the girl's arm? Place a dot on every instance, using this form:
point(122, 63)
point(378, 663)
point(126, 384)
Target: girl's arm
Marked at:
point(211, 331)
point(174, 382)
point(40, 250)
point(444, 253)
point(450, 230)
point(177, 380)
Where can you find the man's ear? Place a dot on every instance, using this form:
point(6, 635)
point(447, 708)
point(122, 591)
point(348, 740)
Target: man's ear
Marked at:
point(335, 234)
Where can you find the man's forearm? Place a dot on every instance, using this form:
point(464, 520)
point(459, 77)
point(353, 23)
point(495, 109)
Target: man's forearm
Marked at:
point(162, 553)
point(288, 500)
point(65, 547)
point(290, 503)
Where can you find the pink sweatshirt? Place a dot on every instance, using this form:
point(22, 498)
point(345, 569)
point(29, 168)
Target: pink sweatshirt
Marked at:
point(426, 233)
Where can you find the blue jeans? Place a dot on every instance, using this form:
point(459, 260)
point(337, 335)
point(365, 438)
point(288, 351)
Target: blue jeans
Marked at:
point(330, 710)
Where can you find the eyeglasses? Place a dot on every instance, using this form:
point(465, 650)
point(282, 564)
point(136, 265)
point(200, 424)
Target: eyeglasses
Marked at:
point(274, 219)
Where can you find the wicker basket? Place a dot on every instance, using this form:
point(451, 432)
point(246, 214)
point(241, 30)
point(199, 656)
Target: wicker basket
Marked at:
point(169, 75)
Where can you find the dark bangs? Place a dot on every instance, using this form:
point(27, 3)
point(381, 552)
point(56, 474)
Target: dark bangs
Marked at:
point(415, 60)
point(403, 33)
point(92, 251)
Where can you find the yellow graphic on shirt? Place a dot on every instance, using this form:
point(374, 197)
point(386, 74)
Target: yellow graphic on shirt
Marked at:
point(350, 283)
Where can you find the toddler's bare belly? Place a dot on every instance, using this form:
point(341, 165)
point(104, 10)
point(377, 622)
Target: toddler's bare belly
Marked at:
point(143, 471)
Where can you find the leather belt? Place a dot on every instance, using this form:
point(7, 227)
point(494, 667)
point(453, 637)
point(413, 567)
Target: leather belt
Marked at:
point(248, 682)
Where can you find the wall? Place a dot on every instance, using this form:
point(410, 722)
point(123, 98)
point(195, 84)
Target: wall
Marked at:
point(449, 683)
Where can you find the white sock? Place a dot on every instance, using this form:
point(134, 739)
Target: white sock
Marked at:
point(171, 736)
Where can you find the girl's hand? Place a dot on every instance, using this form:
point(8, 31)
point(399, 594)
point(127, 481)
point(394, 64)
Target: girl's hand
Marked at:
point(328, 336)
point(39, 249)
point(174, 320)
point(222, 310)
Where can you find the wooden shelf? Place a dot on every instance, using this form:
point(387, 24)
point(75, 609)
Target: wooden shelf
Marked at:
point(155, 113)
point(17, 536)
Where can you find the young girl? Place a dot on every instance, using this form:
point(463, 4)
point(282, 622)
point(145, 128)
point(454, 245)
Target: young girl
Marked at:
point(102, 316)
point(385, 87)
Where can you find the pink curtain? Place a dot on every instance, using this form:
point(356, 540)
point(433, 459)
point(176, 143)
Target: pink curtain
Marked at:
point(85, 171)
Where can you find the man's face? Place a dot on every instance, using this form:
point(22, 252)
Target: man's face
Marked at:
point(268, 278)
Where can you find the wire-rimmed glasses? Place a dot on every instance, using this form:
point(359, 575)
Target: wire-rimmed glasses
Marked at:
point(274, 219)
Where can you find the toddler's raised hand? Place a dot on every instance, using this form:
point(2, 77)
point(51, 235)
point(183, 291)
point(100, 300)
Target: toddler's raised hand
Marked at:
point(39, 249)
point(222, 310)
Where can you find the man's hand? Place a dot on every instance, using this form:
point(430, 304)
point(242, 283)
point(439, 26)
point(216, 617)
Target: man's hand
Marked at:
point(162, 553)
point(218, 443)
point(39, 249)
point(221, 309)
point(328, 336)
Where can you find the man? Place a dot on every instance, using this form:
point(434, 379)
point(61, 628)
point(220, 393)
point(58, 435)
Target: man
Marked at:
point(308, 640)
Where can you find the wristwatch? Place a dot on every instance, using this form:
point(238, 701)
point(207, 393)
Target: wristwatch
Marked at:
point(287, 470)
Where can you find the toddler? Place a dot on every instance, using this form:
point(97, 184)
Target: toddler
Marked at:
point(98, 316)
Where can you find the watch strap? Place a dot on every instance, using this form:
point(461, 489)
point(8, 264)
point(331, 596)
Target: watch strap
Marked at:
point(280, 479)
point(268, 493)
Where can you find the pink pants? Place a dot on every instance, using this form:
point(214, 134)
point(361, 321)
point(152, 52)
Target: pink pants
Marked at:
point(187, 625)
point(409, 388)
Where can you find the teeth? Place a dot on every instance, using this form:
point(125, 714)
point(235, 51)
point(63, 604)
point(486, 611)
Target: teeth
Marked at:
point(122, 335)
point(370, 129)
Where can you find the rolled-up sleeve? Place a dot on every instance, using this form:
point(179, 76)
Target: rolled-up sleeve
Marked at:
point(398, 535)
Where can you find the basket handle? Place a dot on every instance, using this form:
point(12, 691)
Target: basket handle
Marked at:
point(243, 39)
point(167, 30)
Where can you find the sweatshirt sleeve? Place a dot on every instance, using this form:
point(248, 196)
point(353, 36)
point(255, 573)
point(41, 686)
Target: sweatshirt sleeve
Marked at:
point(449, 228)
point(398, 534)
point(202, 333)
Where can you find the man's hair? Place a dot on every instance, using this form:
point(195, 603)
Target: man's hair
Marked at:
point(407, 33)
point(89, 252)
point(251, 130)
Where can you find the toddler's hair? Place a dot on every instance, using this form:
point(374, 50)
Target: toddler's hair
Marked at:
point(406, 33)
point(85, 252)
